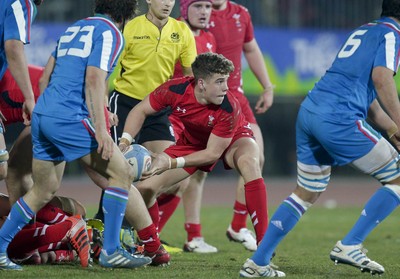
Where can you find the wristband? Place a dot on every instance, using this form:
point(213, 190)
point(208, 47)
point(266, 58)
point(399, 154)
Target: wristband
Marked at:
point(180, 162)
point(126, 138)
point(269, 87)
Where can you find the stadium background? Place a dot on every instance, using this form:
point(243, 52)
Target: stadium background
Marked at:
point(298, 38)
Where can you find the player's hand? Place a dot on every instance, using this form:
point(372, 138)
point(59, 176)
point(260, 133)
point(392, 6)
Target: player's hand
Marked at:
point(265, 101)
point(27, 109)
point(106, 144)
point(113, 119)
point(159, 164)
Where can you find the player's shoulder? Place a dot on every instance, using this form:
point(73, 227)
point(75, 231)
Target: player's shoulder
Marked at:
point(230, 104)
point(237, 8)
point(179, 85)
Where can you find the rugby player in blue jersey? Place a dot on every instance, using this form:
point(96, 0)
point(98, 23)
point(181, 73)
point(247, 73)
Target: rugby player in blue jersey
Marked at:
point(332, 130)
point(69, 122)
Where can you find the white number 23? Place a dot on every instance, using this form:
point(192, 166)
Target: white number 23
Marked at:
point(85, 33)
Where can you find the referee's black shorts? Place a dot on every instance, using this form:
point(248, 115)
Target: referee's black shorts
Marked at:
point(155, 127)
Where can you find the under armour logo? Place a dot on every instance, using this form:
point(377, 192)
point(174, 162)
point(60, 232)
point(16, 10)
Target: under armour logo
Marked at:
point(181, 110)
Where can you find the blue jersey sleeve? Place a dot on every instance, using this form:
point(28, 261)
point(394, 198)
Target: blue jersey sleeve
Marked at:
point(388, 52)
point(18, 21)
point(106, 50)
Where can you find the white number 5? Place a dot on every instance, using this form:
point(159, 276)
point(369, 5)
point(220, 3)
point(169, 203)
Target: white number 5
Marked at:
point(85, 38)
point(353, 43)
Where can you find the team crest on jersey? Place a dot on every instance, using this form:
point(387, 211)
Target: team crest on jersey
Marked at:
point(175, 37)
point(210, 121)
point(236, 17)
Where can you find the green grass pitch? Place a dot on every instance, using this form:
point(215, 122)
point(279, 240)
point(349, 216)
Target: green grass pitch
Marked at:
point(304, 253)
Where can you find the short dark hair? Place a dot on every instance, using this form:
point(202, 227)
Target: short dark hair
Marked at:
point(118, 10)
point(209, 63)
point(391, 8)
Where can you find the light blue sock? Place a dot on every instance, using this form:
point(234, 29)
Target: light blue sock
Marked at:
point(19, 216)
point(114, 205)
point(379, 206)
point(282, 222)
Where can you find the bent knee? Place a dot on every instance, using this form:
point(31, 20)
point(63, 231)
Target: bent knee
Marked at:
point(248, 161)
point(313, 178)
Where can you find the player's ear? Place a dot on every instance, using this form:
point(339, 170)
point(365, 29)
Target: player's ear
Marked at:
point(201, 84)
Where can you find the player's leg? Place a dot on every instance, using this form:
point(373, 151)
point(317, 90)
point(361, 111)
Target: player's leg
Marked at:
point(153, 186)
point(312, 180)
point(192, 198)
point(237, 230)
point(120, 105)
point(47, 177)
point(243, 155)
point(19, 177)
point(3, 154)
point(381, 163)
point(115, 199)
point(137, 215)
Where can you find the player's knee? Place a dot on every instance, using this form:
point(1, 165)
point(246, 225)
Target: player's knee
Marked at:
point(248, 161)
point(313, 178)
point(395, 188)
point(261, 160)
point(129, 174)
point(125, 176)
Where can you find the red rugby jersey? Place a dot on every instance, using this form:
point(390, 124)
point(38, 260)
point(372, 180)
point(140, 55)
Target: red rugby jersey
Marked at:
point(232, 28)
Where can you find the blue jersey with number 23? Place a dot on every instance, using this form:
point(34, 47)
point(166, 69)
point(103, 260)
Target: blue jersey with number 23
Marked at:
point(94, 41)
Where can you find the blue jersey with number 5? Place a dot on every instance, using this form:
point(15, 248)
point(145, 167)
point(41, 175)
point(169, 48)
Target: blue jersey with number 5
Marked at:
point(346, 90)
point(94, 41)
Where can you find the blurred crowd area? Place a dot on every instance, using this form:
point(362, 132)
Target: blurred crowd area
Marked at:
point(328, 14)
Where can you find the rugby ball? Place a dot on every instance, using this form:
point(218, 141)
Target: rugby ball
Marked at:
point(139, 158)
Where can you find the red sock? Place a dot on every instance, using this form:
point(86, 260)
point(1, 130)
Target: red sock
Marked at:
point(29, 239)
point(50, 214)
point(54, 246)
point(167, 204)
point(149, 237)
point(256, 201)
point(239, 216)
point(193, 230)
point(154, 214)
